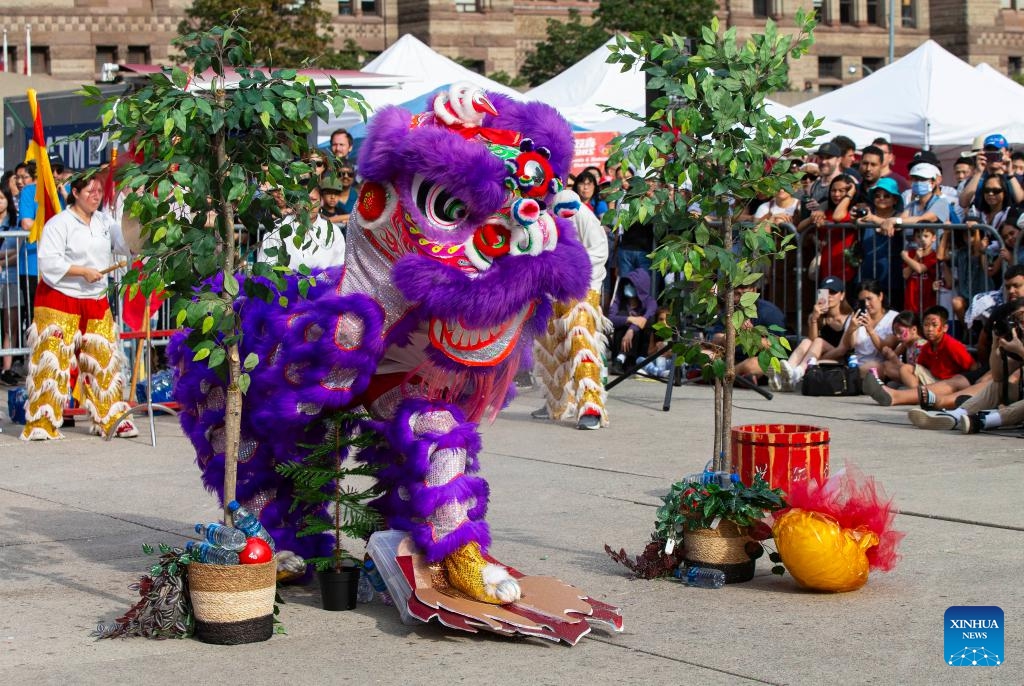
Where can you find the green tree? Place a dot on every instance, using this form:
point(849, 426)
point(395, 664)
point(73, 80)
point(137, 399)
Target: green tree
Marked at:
point(710, 129)
point(283, 34)
point(655, 17)
point(206, 150)
point(566, 44)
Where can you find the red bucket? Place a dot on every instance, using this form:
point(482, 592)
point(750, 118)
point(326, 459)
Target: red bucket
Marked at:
point(782, 452)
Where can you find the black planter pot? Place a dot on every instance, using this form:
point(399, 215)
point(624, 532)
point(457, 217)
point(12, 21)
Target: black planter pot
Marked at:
point(338, 588)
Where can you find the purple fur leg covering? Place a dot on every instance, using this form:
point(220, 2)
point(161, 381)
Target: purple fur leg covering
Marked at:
point(315, 357)
point(427, 465)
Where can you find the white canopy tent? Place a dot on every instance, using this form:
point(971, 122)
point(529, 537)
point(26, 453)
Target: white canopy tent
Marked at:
point(928, 98)
point(862, 137)
point(580, 91)
point(420, 70)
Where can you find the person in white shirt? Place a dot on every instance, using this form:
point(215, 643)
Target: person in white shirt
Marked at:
point(323, 246)
point(72, 329)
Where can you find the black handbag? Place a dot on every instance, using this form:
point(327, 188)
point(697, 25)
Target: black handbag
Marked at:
point(831, 379)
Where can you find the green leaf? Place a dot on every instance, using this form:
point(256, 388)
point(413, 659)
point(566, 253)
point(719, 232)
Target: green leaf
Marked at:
point(243, 382)
point(201, 355)
point(251, 360)
point(231, 285)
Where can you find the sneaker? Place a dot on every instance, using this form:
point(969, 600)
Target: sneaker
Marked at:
point(541, 413)
point(774, 380)
point(126, 429)
point(790, 375)
point(923, 419)
point(589, 421)
point(10, 377)
point(873, 387)
point(971, 424)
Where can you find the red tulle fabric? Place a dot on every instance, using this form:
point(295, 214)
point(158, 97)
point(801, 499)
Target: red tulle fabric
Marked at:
point(856, 502)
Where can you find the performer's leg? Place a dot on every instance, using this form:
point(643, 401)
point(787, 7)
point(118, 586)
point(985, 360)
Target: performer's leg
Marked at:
point(549, 357)
point(102, 365)
point(52, 338)
point(431, 494)
point(586, 342)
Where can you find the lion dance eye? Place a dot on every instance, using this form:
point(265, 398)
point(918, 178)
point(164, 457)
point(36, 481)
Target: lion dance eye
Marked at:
point(441, 208)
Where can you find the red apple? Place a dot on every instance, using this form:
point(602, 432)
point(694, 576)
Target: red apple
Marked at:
point(255, 552)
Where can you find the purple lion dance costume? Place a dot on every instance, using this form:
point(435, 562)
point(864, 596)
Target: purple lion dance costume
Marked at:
point(459, 244)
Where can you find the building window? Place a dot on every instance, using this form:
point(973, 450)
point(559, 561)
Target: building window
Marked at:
point(821, 11)
point(872, 64)
point(345, 7)
point(139, 54)
point(830, 67)
point(105, 54)
point(908, 14)
point(40, 60)
point(875, 11)
point(369, 6)
point(761, 8)
point(845, 11)
point(1013, 65)
point(466, 6)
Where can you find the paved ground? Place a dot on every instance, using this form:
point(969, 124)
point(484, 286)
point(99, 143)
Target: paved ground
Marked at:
point(74, 513)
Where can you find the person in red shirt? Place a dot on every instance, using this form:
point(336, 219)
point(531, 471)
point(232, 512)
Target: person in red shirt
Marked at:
point(944, 365)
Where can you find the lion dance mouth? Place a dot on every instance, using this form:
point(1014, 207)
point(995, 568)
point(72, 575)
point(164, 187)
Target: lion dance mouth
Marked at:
point(478, 347)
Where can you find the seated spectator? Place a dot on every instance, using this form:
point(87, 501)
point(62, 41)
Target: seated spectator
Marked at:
point(997, 403)
point(870, 330)
point(769, 316)
point(1007, 254)
point(967, 253)
point(907, 328)
point(826, 325)
point(980, 311)
point(631, 311)
point(943, 358)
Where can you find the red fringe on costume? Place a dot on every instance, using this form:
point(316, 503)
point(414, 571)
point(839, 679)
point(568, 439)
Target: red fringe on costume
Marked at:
point(856, 502)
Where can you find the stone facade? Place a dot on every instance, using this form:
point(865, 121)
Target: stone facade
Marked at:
point(72, 38)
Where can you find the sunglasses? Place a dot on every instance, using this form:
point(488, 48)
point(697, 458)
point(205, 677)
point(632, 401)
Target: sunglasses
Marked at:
point(881, 195)
point(810, 177)
point(345, 174)
point(993, 191)
point(319, 163)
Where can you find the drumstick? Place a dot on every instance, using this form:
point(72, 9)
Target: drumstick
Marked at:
point(119, 265)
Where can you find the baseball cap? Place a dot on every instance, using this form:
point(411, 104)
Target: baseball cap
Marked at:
point(829, 149)
point(888, 185)
point(995, 142)
point(924, 170)
point(925, 156)
point(331, 183)
point(833, 283)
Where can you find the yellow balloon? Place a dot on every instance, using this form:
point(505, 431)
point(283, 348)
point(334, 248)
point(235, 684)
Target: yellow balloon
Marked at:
point(820, 554)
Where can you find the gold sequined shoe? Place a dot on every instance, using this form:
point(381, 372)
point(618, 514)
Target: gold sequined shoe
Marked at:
point(481, 580)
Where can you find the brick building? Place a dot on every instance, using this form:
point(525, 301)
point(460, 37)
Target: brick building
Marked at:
point(73, 38)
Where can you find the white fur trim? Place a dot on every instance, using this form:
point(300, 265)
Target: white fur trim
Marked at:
point(499, 583)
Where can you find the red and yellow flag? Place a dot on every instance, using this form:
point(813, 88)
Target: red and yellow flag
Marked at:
point(47, 200)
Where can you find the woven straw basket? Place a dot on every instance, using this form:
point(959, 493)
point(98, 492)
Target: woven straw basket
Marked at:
point(233, 604)
point(721, 548)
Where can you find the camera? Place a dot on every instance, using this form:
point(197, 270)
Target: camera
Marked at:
point(859, 212)
point(1004, 320)
point(862, 306)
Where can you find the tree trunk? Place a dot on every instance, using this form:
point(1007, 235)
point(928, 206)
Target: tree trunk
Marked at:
point(233, 400)
point(725, 456)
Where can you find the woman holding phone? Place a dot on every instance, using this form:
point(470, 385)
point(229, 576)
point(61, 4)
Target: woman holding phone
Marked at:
point(870, 330)
point(826, 325)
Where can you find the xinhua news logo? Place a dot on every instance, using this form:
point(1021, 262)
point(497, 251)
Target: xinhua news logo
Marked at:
point(974, 636)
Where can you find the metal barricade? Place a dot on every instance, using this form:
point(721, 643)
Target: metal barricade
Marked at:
point(857, 252)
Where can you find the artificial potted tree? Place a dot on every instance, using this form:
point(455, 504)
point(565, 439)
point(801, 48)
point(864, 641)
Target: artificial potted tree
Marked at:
point(336, 510)
point(709, 146)
point(202, 148)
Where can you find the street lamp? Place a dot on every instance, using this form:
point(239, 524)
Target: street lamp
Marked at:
point(868, 71)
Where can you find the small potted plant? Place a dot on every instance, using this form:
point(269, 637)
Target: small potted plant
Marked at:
point(336, 510)
point(720, 521)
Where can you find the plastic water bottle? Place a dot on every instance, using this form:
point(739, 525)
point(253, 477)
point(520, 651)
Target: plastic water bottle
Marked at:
point(365, 593)
point(212, 555)
point(247, 523)
point(373, 574)
point(701, 577)
point(851, 362)
point(222, 536)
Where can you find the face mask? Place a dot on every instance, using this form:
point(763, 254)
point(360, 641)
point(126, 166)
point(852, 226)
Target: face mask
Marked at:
point(922, 188)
